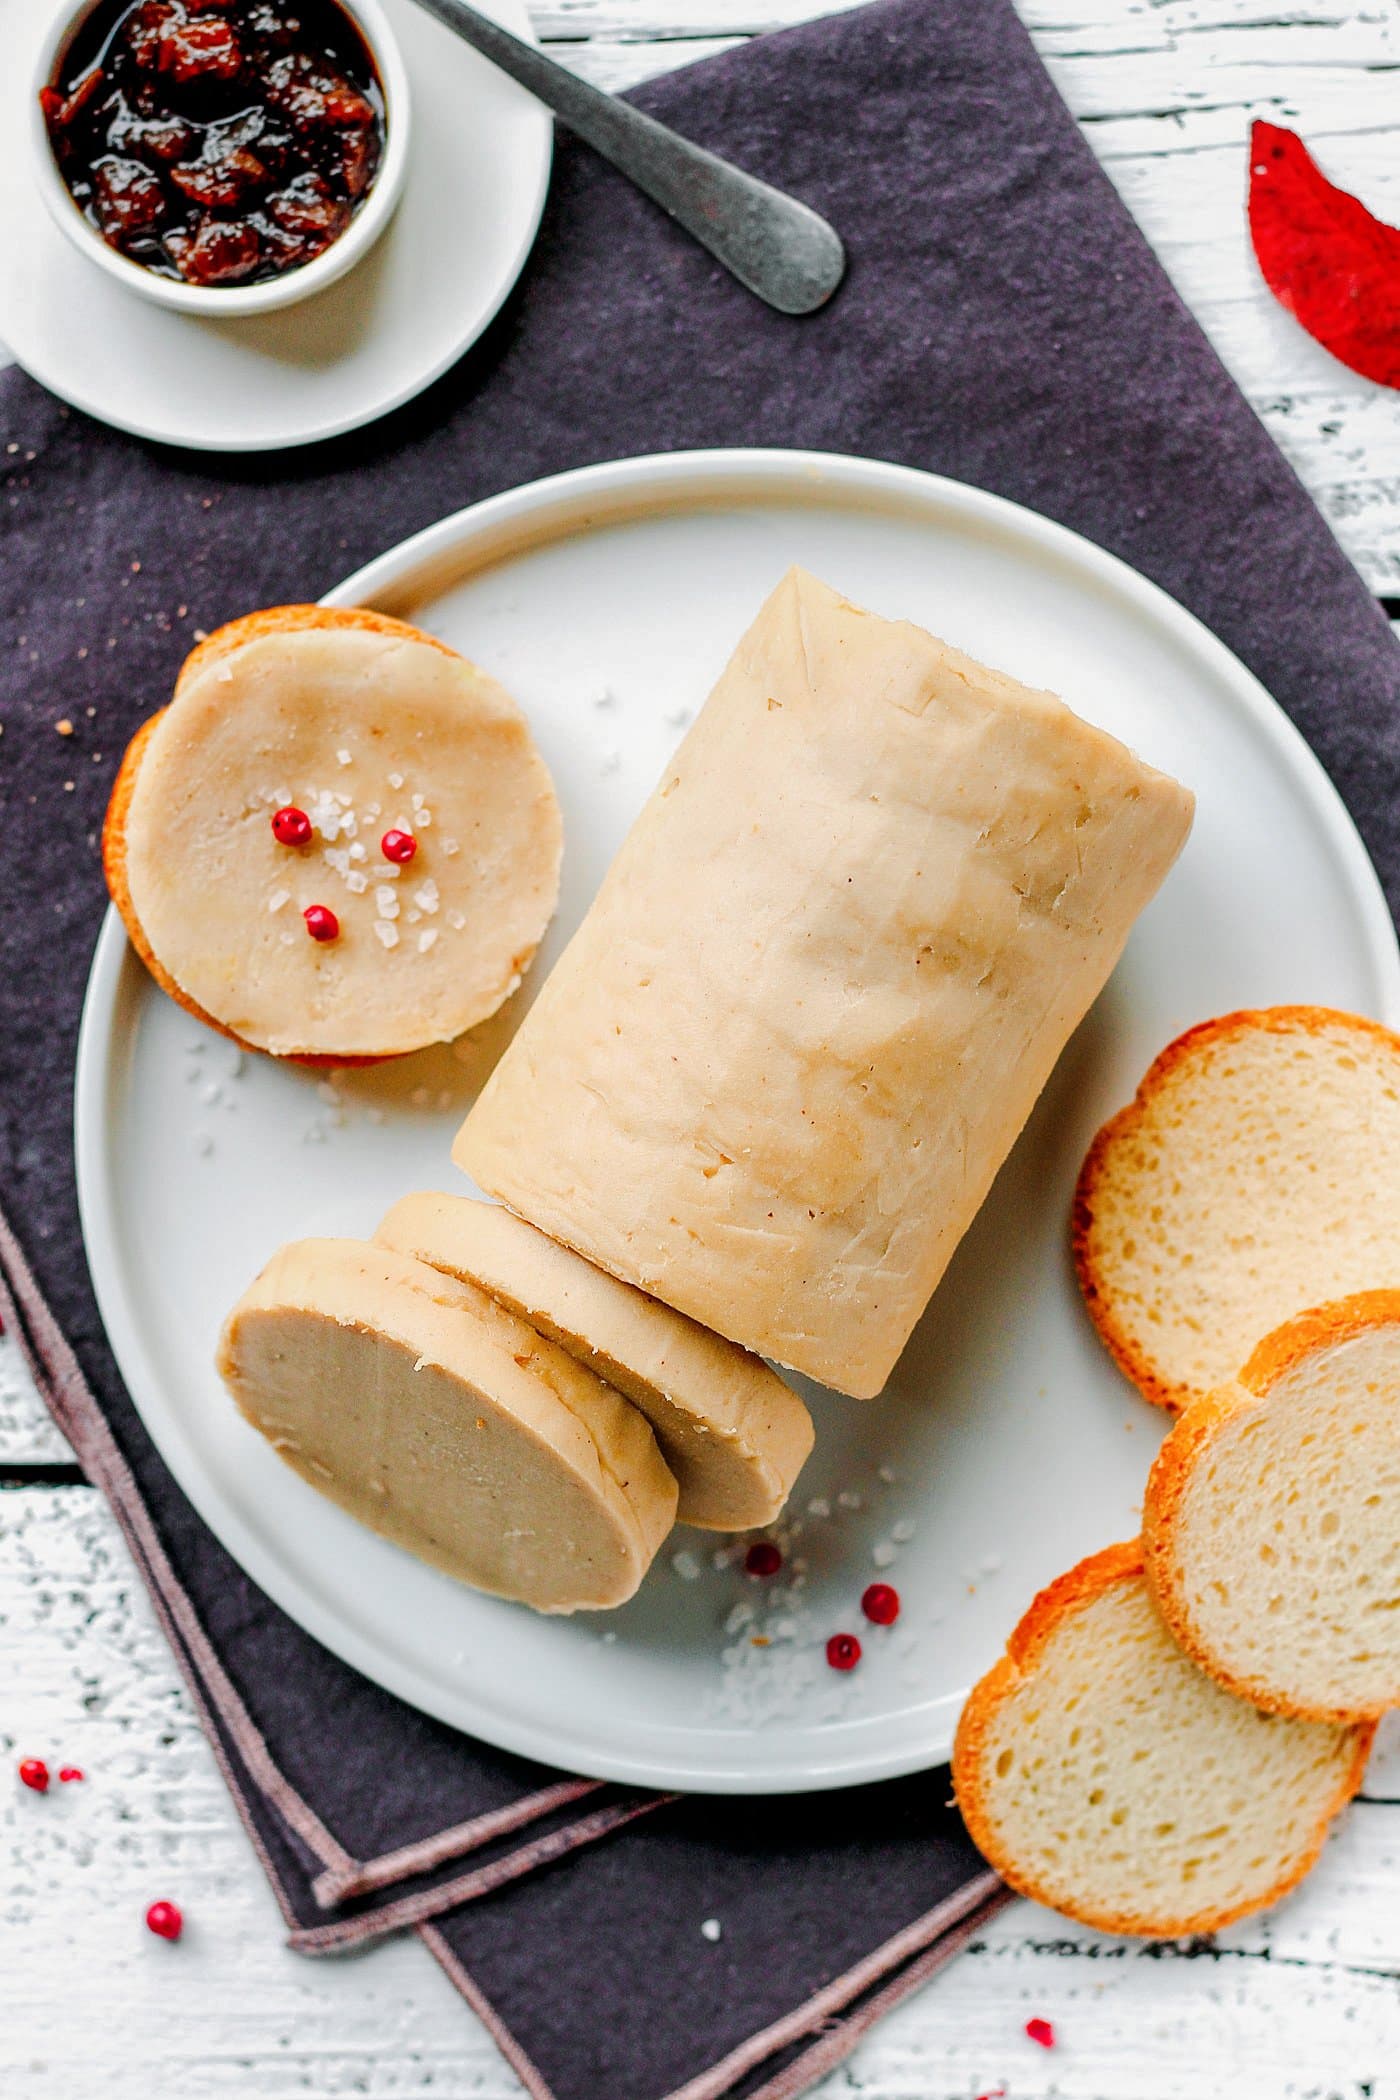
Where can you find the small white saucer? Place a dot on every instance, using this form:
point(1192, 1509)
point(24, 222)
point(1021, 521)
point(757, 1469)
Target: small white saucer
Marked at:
point(479, 169)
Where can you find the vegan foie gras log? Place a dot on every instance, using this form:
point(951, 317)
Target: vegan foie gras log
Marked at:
point(774, 1073)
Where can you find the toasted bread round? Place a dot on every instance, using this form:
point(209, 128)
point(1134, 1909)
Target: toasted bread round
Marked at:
point(442, 1422)
point(1272, 1518)
point(1256, 1173)
point(367, 725)
point(1102, 1772)
point(729, 1429)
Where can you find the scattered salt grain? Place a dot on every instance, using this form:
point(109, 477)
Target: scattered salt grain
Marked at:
point(686, 1565)
point(278, 899)
point(888, 1475)
point(740, 1617)
point(427, 896)
point(343, 758)
point(882, 1553)
point(426, 939)
point(356, 882)
point(819, 1507)
point(711, 1930)
point(356, 852)
point(903, 1531)
point(450, 847)
point(224, 674)
point(396, 780)
point(388, 932)
point(385, 902)
point(849, 1499)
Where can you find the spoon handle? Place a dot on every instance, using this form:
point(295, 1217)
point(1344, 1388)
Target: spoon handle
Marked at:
point(780, 249)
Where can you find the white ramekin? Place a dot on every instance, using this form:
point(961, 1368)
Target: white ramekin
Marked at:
point(229, 301)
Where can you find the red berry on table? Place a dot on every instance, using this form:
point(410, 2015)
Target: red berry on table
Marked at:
point(321, 922)
point(34, 1774)
point(762, 1558)
point(398, 845)
point(165, 1921)
point(881, 1604)
point(1041, 2031)
point(71, 1772)
point(291, 826)
point(843, 1651)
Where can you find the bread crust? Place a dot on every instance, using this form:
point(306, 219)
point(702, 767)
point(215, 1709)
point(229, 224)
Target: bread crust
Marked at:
point(1068, 1594)
point(251, 627)
point(1187, 1445)
point(1129, 1355)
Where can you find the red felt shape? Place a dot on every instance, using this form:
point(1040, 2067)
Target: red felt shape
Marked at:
point(1324, 256)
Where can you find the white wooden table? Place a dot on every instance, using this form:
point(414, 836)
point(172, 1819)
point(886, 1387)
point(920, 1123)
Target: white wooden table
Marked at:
point(1305, 2003)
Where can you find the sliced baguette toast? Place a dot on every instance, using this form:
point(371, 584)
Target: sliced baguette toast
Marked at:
point(1272, 1518)
point(1102, 1772)
point(1255, 1174)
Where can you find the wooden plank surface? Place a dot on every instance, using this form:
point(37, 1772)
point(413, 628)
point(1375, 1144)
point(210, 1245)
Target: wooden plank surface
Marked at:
point(1303, 2005)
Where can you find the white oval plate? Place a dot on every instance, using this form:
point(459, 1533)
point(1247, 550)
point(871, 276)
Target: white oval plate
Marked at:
point(478, 170)
point(608, 601)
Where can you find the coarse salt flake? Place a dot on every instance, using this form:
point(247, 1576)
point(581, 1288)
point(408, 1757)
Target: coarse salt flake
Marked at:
point(426, 939)
point(278, 898)
point(386, 903)
point(343, 758)
point(711, 1930)
point(388, 932)
point(456, 920)
point(450, 848)
point(686, 1565)
point(427, 896)
point(356, 882)
point(396, 780)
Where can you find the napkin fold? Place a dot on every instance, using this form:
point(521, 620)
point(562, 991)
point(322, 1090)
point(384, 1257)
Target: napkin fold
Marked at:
point(1003, 323)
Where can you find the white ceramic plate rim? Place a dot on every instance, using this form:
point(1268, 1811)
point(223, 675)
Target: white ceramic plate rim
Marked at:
point(541, 511)
point(513, 16)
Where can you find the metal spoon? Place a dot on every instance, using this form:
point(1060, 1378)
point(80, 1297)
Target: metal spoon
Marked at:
point(780, 249)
